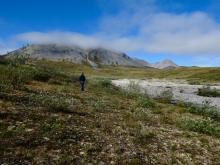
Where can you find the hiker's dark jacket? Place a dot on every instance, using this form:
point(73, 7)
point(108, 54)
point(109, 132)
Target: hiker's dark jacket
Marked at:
point(82, 78)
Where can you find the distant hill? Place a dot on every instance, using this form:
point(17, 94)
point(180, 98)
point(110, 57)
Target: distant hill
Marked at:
point(79, 55)
point(93, 56)
point(165, 64)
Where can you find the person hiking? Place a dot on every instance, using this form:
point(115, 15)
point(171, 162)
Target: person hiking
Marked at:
point(82, 80)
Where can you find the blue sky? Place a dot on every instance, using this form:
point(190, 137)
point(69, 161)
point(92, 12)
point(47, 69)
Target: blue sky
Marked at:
point(185, 31)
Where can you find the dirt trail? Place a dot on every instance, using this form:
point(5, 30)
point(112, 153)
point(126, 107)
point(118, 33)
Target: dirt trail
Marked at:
point(180, 89)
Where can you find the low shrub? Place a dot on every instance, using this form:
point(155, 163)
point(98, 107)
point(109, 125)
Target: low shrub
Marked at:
point(146, 102)
point(57, 105)
point(41, 75)
point(207, 91)
point(61, 77)
point(54, 81)
point(206, 111)
point(75, 78)
point(13, 77)
point(47, 74)
point(3, 61)
point(17, 59)
point(105, 83)
point(205, 126)
point(194, 82)
point(166, 96)
point(51, 126)
point(99, 105)
point(134, 88)
point(51, 102)
point(144, 136)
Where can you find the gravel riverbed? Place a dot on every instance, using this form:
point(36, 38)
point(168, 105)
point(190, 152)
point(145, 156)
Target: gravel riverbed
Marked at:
point(181, 90)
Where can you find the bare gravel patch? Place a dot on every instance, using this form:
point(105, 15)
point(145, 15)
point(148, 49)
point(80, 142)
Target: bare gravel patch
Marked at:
point(180, 89)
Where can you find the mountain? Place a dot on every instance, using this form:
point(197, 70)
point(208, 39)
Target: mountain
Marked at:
point(109, 57)
point(165, 64)
point(92, 56)
point(79, 55)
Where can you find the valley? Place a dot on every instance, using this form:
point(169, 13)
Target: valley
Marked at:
point(45, 118)
point(110, 82)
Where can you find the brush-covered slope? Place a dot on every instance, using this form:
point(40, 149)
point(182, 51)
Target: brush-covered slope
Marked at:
point(46, 119)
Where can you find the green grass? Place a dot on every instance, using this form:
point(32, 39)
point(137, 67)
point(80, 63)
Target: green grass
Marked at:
point(146, 102)
point(204, 126)
point(13, 77)
point(144, 136)
point(45, 118)
point(208, 92)
point(205, 111)
point(200, 75)
point(57, 105)
point(105, 83)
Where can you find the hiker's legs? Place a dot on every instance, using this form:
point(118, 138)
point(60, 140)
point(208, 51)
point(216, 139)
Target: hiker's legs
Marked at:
point(82, 86)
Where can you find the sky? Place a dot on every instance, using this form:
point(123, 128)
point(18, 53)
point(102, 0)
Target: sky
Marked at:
point(185, 31)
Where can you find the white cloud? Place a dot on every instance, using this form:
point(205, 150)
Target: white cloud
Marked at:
point(69, 38)
point(189, 33)
point(194, 33)
point(66, 38)
point(140, 26)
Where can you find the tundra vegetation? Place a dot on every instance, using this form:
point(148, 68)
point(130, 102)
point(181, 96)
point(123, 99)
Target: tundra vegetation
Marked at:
point(207, 91)
point(46, 119)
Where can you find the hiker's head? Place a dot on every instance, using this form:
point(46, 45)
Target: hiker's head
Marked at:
point(82, 73)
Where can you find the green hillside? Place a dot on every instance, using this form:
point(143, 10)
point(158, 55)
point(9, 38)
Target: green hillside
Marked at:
point(46, 119)
point(200, 74)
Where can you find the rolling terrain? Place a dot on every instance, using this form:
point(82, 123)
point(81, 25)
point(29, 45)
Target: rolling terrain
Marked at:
point(46, 119)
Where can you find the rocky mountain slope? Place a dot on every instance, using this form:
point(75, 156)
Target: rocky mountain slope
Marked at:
point(93, 56)
point(165, 64)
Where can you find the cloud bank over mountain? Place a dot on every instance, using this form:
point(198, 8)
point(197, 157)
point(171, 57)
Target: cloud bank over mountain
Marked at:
point(141, 27)
point(193, 33)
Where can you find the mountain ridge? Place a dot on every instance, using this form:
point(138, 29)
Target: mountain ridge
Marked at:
point(93, 56)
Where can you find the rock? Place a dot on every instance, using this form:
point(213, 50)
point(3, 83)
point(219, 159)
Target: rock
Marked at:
point(10, 128)
point(82, 153)
point(46, 138)
point(28, 130)
point(173, 101)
